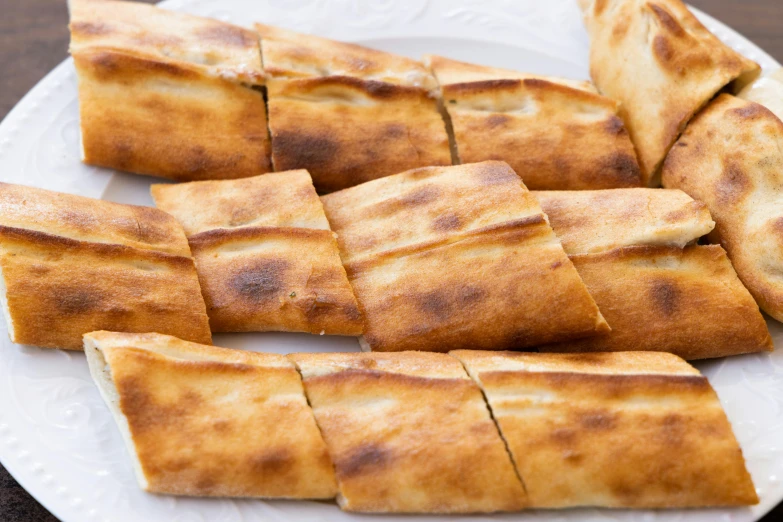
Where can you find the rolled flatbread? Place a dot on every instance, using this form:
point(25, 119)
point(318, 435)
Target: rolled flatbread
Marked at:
point(767, 91)
point(730, 158)
point(288, 54)
point(266, 258)
point(556, 134)
point(168, 94)
point(659, 291)
point(71, 265)
point(662, 65)
point(206, 421)
point(347, 130)
point(408, 433)
point(620, 430)
point(462, 256)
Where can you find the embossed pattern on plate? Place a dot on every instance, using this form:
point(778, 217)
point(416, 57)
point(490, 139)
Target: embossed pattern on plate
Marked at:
point(57, 437)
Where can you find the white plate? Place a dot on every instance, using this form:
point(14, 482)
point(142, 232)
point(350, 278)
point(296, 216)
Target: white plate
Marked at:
point(56, 436)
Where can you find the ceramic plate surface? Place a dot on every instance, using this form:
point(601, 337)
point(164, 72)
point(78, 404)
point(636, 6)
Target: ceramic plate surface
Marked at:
point(56, 435)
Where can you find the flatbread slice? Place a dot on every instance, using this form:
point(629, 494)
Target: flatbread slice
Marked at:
point(588, 221)
point(621, 430)
point(288, 54)
point(662, 65)
point(556, 134)
point(688, 302)
point(659, 291)
point(730, 158)
point(168, 94)
point(205, 421)
point(346, 130)
point(408, 433)
point(768, 91)
point(266, 258)
point(71, 265)
point(462, 256)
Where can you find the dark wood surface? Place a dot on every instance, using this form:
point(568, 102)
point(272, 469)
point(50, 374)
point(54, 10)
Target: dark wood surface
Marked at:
point(34, 38)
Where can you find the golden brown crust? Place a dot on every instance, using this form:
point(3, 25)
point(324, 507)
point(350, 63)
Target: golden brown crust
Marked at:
point(192, 436)
point(346, 131)
point(409, 433)
point(628, 440)
point(288, 54)
point(87, 219)
point(684, 301)
point(729, 158)
point(275, 279)
point(59, 288)
point(767, 91)
point(207, 45)
point(588, 221)
point(671, 66)
point(436, 255)
point(556, 134)
point(168, 119)
point(280, 199)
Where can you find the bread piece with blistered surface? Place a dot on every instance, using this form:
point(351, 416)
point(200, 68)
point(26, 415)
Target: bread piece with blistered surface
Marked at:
point(621, 430)
point(408, 433)
point(556, 134)
point(346, 131)
point(168, 94)
point(462, 256)
point(206, 421)
point(731, 159)
point(72, 264)
point(662, 65)
point(266, 258)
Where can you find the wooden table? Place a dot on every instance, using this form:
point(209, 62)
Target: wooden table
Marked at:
point(34, 38)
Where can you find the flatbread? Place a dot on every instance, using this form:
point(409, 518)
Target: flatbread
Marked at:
point(205, 421)
point(346, 130)
point(588, 221)
point(688, 302)
point(71, 265)
point(730, 158)
point(659, 291)
point(408, 433)
point(168, 94)
point(462, 256)
point(288, 54)
point(266, 258)
point(556, 134)
point(662, 65)
point(621, 430)
point(768, 91)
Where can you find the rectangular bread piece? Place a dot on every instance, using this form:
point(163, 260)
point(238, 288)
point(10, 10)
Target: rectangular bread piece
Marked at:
point(206, 421)
point(71, 265)
point(658, 290)
point(662, 65)
point(447, 257)
point(620, 430)
point(168, 94)
point(556, 134)
point(730, 159)
point(266, 258)
point(408, 433)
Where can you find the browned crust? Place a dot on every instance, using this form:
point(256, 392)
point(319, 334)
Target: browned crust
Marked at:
point(623, 440)
point(167, 119)
point(59, 288)
point(275, 279)
point(729, 158)
point(346, 131)
point(192, 437)
point(420, 442)
point(687, 302)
